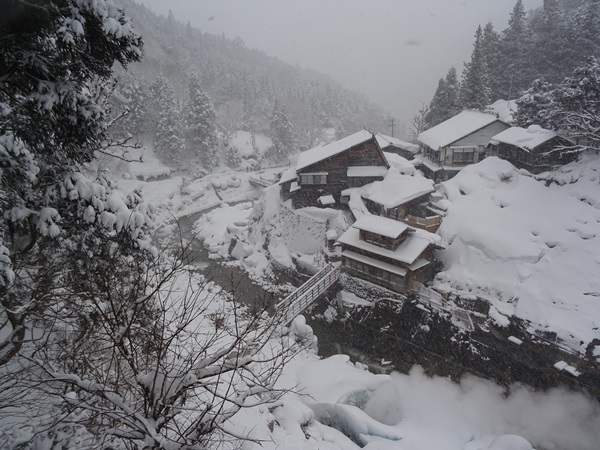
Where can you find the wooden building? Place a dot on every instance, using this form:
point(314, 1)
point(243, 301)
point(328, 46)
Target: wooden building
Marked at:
point(459, 141)
point(326, 171)
point(533, 149)
point(388, 253)
point(396, 146)
point(396, 194)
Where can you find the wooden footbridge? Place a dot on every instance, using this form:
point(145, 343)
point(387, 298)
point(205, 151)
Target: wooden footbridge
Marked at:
point(259, 182)
point(295, 303)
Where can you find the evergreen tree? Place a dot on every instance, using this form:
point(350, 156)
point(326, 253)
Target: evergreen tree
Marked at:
point(535, 105)
point(572, 108)
point(491, 49)
point(514, 68)
point(51, 125)
point(136, 101)
point(436, 115)
point(550, 43)
point(475, 86)
point(200, 123)
point(576, 106)
point(444, 104)
point(232, 157)
point(282, 135)
point(586, 25)
point(168, 142)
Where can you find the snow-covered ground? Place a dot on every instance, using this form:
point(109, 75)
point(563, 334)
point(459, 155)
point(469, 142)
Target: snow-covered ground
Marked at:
point(499, 225)
point(176, 196)
point(415, 412)
point(242, 142)
point(528, 248)
point(275, 232)
point(532, 250)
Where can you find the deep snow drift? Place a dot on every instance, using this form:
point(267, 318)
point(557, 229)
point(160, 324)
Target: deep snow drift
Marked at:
point(532, 250)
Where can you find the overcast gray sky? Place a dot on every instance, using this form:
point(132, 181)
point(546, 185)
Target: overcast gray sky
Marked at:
point(394, 51)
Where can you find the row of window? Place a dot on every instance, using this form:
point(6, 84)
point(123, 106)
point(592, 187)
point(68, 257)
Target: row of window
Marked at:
point(376, 272)
point(313, 179)
point(465, 156)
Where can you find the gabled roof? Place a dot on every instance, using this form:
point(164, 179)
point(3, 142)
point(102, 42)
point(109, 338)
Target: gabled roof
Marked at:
point(396, 189)
point(380, 225)
point(456, 128)
point(288, 175)
point(407, 252)
point(314, 155)
point(385, 141)
point(527, 139)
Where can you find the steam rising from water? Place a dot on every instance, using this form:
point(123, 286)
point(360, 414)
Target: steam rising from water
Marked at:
point(436, 413)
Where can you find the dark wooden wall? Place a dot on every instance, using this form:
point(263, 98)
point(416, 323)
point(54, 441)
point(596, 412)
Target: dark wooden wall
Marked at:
point(365, 154)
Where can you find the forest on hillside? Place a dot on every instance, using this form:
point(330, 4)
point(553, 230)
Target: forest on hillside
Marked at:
point(532, 60)
point(110, 339)
point(188, 77)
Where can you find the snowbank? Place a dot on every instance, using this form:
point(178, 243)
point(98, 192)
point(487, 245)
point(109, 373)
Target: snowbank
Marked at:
point(416, 412)
point(529, 248)
point(402, 165)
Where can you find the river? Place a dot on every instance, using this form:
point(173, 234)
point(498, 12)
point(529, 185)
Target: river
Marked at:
point(389, 336)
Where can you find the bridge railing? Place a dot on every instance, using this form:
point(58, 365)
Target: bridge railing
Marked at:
point(259, 182)
point(300, 299)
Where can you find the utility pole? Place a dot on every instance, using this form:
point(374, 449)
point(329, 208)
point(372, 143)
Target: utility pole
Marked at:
point(392, 124)
point(510, 86)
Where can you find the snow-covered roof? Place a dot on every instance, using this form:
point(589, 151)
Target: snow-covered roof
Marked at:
point(527, 139)
point(326, 200)
point(421, 159)
point(380, 225)
point(455, 128)
point(403, 165)
point(294, 186)
point(385, 141)
point(317, 154)
point(396, 189)
point(367, 171)
point(407, 252)
point(288, 175)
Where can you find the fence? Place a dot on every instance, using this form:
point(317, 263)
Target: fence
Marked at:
point(436, 302)
point(295, 303)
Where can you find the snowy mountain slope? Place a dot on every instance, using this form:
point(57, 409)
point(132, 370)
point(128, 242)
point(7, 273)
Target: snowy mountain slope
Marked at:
point(529, 246)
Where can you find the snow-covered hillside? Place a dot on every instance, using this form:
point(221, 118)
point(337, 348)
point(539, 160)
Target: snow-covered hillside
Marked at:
point(530, 246)
point(333, 398)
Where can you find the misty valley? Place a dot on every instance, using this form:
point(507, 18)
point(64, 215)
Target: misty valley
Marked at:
point(291, 225)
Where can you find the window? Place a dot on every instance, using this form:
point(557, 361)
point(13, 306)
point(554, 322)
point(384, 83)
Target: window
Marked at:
point(313, 178)
point(397, 279)
point(462, 156)
point(375, 272)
